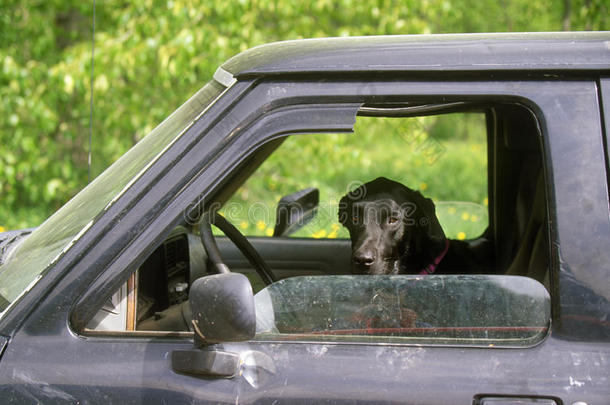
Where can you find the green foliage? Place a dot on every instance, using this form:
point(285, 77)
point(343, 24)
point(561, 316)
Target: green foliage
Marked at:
point(453, 172)
point(150, 56)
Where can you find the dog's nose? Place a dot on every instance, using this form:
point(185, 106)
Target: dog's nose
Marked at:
point(364, 258)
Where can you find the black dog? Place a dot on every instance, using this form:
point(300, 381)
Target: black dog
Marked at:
point(394, 230)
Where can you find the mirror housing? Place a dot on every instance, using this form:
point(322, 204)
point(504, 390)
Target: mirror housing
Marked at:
point(295, 210)
point(222, 307)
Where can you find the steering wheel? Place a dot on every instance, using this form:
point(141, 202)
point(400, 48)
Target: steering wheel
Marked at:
point(209, 243)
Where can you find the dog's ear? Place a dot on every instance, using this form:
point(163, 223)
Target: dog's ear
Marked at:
point(429, 220)
point(429, 235)
point(345, 204)
point(344, 209)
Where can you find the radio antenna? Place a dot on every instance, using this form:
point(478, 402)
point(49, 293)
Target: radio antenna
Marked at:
point(91, 97)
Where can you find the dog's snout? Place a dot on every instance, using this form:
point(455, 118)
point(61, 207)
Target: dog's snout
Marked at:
point(364, 258)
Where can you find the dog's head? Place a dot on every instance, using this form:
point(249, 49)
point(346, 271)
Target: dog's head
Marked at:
point(393, 229)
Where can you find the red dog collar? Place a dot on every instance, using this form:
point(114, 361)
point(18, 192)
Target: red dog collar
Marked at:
point(431, 268)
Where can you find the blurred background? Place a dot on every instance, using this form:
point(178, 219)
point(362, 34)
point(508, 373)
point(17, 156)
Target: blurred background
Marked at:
point(151, 56)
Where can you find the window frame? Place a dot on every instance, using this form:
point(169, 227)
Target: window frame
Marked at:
point(327, 206)
point(314, 91)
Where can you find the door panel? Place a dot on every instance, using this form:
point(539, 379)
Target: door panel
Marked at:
point(139, 371)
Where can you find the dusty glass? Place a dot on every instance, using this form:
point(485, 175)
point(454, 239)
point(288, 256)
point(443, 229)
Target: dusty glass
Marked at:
point(482, 310)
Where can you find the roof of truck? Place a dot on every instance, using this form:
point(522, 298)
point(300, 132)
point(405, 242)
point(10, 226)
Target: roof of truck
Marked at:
point(558, 51)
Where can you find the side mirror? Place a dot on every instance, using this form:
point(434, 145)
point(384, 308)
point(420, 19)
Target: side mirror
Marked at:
point(222, 308)
point(295, 210)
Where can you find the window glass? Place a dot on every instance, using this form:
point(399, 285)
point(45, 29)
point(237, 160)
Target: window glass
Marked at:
point(443, 156)
point(468, 309)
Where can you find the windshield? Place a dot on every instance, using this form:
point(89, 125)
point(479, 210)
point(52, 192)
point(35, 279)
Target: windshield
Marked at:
point(28, 261)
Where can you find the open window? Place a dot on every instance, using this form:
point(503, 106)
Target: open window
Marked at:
point(480, 163)
point(419, 152)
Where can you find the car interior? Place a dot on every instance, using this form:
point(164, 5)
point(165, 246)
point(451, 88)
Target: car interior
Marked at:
point(514, 242)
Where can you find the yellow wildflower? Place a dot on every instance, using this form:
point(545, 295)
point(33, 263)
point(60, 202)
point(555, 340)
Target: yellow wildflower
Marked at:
point(474, 218)
point(319, 234)
point(423, 186)
point(332, 235)
point(486, 201)
point(465, 216)
point(461, 236)
point(243, 225)
point(2, 229)
point(451, 210)
point(269, 232)
point(261, 225)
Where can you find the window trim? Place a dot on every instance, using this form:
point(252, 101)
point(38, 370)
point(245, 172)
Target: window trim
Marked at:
point(501, 91)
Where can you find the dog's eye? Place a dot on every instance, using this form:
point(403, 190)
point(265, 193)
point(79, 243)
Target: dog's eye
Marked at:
point(392, 220)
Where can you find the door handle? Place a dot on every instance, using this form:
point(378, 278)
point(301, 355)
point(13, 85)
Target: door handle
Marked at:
point(510, 400)
point(210, 363)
